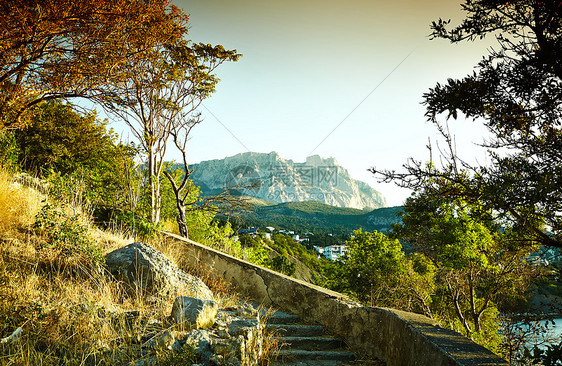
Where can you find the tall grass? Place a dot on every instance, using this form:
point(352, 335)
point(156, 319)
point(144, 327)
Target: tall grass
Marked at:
point(18, 205)
point(70, 310)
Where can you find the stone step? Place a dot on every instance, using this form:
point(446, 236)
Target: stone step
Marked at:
point(327, 363)
point(308, 363)
point(293, 330)
point(279, 317)
point(292, 355)
point(312, 343)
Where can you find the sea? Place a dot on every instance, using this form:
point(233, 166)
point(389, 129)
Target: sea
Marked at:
point(542, 332)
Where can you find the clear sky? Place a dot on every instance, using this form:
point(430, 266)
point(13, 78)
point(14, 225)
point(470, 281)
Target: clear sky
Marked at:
point(309, 64)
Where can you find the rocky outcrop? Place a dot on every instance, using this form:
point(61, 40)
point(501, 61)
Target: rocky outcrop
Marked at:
point(235, 339)
point(272, 178)
point(196, 330)
point(146, 269)
point(195, 312)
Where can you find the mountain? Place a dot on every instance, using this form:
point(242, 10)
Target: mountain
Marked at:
point(271, 178)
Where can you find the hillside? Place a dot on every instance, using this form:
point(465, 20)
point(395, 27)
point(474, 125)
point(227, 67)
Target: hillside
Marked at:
point(70, 293)
point(321, 218)
point(272, 178)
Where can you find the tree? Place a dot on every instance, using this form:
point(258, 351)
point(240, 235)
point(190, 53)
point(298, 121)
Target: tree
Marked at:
point(161, 97)
point(183, 187)
point(516, 91)
point(74, 149)
point(476, 266)
point(373, 267)
point(60, 139)
point(54, 49)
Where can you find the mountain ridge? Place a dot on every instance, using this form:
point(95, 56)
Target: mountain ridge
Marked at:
point(320, 218)
point(270, 177)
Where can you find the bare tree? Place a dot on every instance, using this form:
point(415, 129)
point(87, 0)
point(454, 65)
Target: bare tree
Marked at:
point(185, 201)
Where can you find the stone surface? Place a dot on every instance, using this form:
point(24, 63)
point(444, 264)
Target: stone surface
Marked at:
point(272, 178)
point(195, 312)
point(393, 336)
point(164, 341)
point(241, 336)
point(144, 268)
point(234, 340)
point(200, 341)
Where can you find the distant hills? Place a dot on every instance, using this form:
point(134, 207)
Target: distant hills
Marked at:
point(273, 179)
point(319, 217)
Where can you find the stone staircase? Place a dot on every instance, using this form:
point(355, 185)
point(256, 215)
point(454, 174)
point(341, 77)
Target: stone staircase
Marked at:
point(306, 345)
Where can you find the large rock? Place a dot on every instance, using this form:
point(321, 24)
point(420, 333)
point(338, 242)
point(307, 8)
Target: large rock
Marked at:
point(195, 312)
point(146, 269)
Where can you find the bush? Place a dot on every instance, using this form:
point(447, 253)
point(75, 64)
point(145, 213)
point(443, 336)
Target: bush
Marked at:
point(66, 233)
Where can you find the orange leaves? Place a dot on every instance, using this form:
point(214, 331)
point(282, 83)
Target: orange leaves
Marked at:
point(63, 48)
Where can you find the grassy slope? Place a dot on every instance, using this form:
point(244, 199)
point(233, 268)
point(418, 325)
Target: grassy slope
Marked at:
point(69, 310)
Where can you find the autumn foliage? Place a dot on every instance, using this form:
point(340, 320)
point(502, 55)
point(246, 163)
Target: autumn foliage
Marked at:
point(56, 49)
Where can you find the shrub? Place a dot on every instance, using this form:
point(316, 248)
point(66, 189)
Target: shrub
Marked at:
point(66, 233)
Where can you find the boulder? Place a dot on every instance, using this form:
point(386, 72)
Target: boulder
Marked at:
point(195, 312)
point(200, 342)
point(146, 269)
point(162, 342)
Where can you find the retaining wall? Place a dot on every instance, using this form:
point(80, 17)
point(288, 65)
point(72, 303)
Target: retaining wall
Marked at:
point(397, 337)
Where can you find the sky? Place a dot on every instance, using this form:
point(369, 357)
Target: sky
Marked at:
point(340, 79)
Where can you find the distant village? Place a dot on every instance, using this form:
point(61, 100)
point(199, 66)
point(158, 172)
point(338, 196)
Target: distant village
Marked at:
point(542, 257)
point(331, 252)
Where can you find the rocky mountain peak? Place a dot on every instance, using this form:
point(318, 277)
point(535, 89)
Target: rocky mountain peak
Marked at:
point(270, 177)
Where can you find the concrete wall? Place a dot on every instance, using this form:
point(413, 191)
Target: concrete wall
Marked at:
point(397, 337)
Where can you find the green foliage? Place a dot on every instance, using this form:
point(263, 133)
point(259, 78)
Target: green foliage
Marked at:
point(286, 246)
point(61, 139)
point(249, 241)
point(320, 218)
point(9, 150)
point(138, 226)
point(476, 268)
point(373, 266)
point(66, 233)
point(80, 158)
point(282, 264)
point(185, 356)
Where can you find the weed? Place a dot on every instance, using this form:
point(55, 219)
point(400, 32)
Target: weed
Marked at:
point(270, 344)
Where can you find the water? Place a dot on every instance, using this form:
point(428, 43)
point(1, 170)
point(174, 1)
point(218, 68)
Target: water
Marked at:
point(542, 332)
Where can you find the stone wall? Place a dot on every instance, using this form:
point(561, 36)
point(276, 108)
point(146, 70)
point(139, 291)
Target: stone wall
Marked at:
point(399, 338)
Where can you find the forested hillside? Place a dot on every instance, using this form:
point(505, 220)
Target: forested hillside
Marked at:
point(320, 218)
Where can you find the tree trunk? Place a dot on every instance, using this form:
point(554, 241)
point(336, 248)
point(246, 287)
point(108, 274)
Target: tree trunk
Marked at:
point(154, 183)
point(180, 205)
point(456, 298)
point(475, 315)
point(182, 226)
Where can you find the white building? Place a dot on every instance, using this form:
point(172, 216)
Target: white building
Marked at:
point(334, 252)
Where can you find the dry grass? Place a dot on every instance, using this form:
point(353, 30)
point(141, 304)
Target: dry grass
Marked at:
point(271, 341)
point(18, 204)
point(70, 311)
